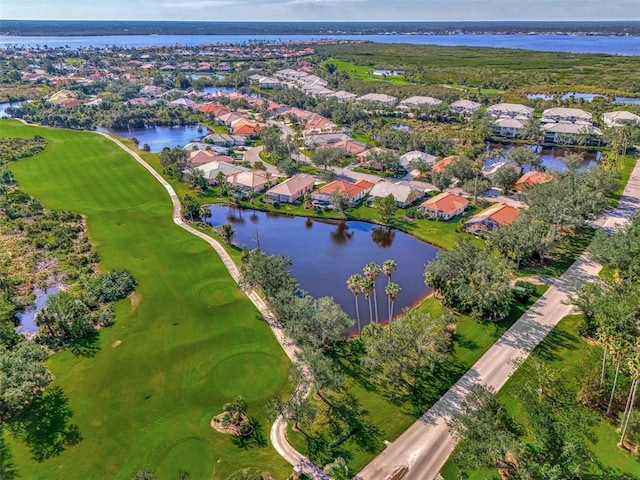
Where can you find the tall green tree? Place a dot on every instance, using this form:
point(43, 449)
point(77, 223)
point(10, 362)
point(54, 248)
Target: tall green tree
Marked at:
point(386, 207)
point(472, 279)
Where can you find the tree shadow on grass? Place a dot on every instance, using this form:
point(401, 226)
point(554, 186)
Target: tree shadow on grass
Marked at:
point(8, 470)
point(555, 340)
point(255, 439)
point(86, 347)
point(45, 427)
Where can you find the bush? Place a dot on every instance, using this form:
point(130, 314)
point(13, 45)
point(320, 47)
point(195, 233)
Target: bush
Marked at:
point(523, 290)
point(112, 286)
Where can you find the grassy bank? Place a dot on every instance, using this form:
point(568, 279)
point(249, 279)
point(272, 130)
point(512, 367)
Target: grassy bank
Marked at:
point(385, 418)
point(187, 342)
point(566, 351)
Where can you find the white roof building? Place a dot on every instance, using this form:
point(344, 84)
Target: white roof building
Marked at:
point(419, 100)
point(378, 98)
point(465, 106)
point(343, 96)
point(403, 193)
point(619, 118)
point(561, 114)
point(510, 110)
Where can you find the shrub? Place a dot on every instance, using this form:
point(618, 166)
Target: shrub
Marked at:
point(523, 290)
point(112, 286)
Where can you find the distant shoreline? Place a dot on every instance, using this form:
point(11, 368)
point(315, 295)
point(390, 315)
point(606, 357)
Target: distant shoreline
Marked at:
point(47, 28)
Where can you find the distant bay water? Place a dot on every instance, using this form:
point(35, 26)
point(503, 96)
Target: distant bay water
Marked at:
point(614, 45)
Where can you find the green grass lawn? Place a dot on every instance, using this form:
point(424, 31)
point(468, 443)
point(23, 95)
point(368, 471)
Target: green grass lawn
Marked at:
point(186, 342)
point(361, 72)
point(566, 351)
point(472, 339)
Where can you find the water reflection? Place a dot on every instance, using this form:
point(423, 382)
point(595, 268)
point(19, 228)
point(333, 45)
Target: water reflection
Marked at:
point(326, 252)
point(341, 234)
point(383, 236)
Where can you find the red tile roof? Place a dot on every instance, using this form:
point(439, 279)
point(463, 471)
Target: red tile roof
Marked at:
point(532, 178)
point(446, 203)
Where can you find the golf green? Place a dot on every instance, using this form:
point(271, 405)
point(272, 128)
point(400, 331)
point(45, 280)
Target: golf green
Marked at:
point(184, 344)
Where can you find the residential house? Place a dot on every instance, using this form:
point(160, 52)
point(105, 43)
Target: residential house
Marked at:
point(363, 157)
point(445, 205)
point(531, 178)
point(619, 118)
point(418, 100)
point(508, 127)
point(352, 191)
point(197, 158)
point(249, 181)
point(380, 98)
point(213, 109)
point(512, 110)
point(343, 96)
point(291, 189)
point(351, 147)
point(441, 165)
point(183, 103)
point(403, 192)
point(211, 170)
point(225, 140)
point(414, 155)
point(571, 133)
point(561, 114)
point(491, 218)
point(324, 139)
point(466, 107)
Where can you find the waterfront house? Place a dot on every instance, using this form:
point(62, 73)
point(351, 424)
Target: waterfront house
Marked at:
point(291, 189)
point(249, 181)
point(352, 191)
point(445, 205)
point(225, 140)
point(572, 133)
point(490, 218)
point(403, 193)
point(508, 127)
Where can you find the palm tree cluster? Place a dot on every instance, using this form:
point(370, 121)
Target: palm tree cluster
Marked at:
point(366, 284)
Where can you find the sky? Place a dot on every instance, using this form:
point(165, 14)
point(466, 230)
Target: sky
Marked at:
point(321, 10)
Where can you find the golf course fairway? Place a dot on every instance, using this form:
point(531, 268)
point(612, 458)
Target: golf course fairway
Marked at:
point(183, 345)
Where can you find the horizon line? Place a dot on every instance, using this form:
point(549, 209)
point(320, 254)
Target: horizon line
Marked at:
point(316, 21)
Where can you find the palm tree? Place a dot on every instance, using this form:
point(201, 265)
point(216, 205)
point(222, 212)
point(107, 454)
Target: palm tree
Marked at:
point(372, 271)
point(388, 267)
point(354, 283)
point(234, 411)
point(367, 286)
point(392, 290)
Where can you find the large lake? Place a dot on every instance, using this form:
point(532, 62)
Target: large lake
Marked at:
point(324, 253)
point(159, 137)
point(553, 43)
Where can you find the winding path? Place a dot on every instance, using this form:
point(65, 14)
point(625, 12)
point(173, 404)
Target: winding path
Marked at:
point(278, 434)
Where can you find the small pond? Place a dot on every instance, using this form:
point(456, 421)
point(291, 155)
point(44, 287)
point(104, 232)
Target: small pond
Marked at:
point(551, 156)
point(4, 106)
point(160, 137)
point(27, 318)
point(388, 72)
point(324, 253)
